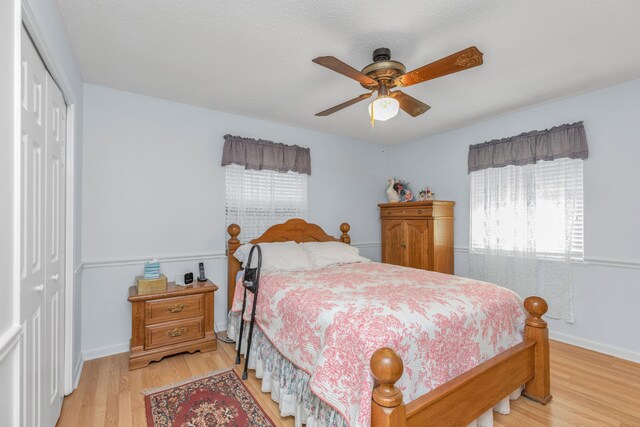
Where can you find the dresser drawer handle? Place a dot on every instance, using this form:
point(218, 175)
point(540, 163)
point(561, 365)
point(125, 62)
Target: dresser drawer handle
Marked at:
point(176, 308)
point(419, 211)
point(176, 332)
point(388, 212)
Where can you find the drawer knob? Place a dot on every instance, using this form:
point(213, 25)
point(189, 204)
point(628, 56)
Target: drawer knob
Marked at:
point(404, 245)
point(176, 308)
point(176, 332)
point(388, 212)
point(419, 211)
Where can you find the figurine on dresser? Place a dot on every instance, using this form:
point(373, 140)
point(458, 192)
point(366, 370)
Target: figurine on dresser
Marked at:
point(399, 191)
point(392, 194)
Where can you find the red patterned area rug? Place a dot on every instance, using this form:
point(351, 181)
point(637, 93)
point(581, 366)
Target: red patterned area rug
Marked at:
point(215, 399)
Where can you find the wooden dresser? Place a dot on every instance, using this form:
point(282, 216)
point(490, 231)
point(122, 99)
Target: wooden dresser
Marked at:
point(418, 234)
point(174, 321)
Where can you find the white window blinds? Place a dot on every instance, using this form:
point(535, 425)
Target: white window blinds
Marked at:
point(256, 200)
point(537, 208)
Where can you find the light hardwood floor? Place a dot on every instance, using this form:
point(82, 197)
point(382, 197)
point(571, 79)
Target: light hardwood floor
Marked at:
point(589, 389)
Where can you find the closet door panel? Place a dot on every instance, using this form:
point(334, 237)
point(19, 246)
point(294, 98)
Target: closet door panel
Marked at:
point(54, 239)
point(32, 246)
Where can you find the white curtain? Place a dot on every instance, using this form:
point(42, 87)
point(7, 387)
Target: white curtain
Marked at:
point(527, 227)
point(256, 200)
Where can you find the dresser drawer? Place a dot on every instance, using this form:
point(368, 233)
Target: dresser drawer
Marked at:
point(173, 332)
point(405, 212)
point(176, 308)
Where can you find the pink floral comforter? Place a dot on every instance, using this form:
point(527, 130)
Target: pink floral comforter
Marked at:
point(329, 322)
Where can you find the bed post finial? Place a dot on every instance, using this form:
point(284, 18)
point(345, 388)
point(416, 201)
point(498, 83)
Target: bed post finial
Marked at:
point(535, 329)
point(233, 265)
point(387, 408)
point(234, 231)
point(345, 227)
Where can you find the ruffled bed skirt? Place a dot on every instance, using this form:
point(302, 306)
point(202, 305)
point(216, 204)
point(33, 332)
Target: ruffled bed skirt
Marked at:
point(289, 386)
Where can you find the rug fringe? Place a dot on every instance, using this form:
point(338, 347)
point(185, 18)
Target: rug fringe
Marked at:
point(183, 382)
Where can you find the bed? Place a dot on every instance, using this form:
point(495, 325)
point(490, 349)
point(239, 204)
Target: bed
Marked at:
point(467, 386)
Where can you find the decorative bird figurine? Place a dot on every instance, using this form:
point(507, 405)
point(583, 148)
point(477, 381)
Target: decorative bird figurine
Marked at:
point(392, 194)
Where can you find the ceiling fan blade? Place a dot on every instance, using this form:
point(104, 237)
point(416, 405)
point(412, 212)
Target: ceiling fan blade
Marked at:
point(340, 67)
point(344, 104)
point(463, 60)
point(409, 104)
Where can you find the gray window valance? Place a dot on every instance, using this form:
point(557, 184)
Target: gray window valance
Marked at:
point(258, 154)
point(565, 141)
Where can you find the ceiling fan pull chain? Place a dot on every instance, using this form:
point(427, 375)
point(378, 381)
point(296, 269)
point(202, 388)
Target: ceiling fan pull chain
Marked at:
point(372, 118)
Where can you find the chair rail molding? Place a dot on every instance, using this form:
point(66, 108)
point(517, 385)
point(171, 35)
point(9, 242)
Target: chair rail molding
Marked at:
point(366, 245)
point(612, 262)
point(604, 262)
point(9, 339)
point(218, 255)
point(121, 262)
point(78, 269)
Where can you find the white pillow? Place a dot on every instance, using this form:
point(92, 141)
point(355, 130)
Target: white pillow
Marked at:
point(276, 256)
point(323, 254)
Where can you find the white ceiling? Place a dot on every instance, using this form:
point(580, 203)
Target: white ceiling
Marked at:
point(254, 57)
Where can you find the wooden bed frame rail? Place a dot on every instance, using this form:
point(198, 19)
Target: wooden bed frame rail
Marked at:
point(455, 403)
point(468, 396)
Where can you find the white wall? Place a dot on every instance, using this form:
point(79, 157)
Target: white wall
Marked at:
point(140, 149)
point(154, 187)
point(607, 285)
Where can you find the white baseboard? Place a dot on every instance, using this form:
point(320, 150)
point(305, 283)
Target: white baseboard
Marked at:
point(77, 371)
point(220, 327)
point(108, 350)
point(622, 353)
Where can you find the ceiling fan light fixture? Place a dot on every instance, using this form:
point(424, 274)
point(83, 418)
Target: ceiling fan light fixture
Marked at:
point(383, 108)
point(384, 74)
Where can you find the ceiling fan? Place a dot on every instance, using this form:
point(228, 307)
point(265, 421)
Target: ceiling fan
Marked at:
point(384, 74)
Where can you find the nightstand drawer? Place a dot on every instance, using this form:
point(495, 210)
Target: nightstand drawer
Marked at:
point(176, 308)
point(173, 332)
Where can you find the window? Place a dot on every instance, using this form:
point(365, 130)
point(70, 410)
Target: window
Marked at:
point(256, 200)
point(536, 209)
point(527, 213)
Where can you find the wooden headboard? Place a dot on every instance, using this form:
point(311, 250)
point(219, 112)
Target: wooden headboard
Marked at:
point(295, 230)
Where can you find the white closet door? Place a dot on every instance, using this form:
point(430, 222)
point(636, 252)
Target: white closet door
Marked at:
point(42, 241)
point(32, 271)
point(53, 359)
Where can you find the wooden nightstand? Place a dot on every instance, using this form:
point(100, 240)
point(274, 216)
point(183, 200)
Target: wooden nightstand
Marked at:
point(174, 321)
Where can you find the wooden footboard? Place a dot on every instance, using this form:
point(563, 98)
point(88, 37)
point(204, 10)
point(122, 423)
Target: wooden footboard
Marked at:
point(468, 396)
